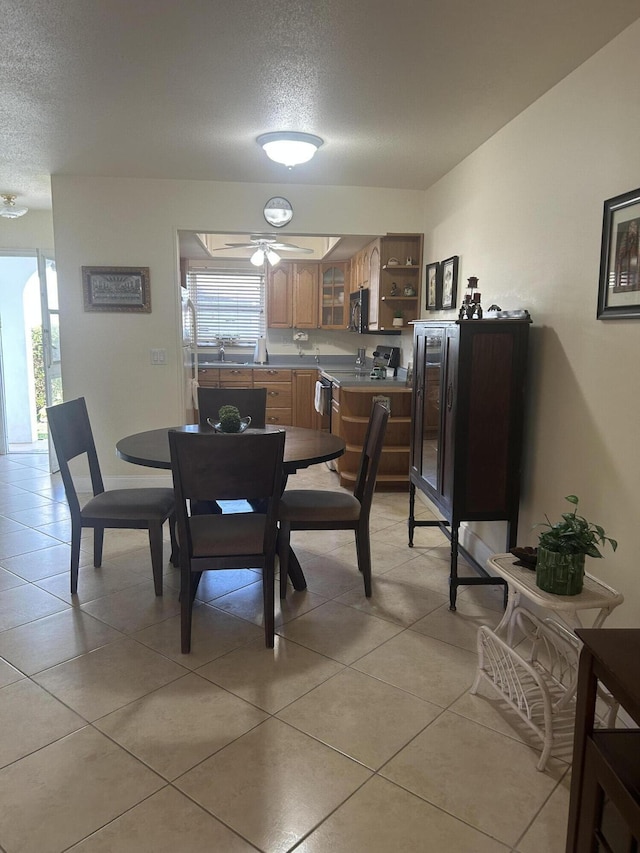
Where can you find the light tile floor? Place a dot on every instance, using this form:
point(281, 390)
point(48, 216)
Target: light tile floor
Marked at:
point(356, 733)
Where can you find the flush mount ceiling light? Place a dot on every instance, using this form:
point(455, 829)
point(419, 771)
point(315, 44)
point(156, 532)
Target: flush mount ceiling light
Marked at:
point(8, 208)
point(289, 147)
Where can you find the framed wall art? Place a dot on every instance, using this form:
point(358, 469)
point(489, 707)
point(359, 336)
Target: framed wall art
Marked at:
point(619, 286)
point(116, 289)
point(434, 295)
point(449, 277)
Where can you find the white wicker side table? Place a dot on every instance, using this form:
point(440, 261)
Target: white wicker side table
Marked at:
point(539, 678)
point(595, 595)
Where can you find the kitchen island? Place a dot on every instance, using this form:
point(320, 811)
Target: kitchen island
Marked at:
point(353, 394)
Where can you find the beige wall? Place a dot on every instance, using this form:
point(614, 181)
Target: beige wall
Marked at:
point(34, 230)
point(524, 212)
point(120, 222)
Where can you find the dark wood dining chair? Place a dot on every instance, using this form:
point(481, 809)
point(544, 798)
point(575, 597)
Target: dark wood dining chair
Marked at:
point(226, 467)
point(145, 508)
point(250, 402)
point(314, 509)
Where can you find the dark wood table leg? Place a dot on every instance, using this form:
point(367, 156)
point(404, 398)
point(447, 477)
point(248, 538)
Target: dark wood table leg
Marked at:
point(295, 572)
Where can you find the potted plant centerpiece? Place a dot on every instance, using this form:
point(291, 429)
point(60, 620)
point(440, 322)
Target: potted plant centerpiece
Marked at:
point(562, 549)
point(398, 318)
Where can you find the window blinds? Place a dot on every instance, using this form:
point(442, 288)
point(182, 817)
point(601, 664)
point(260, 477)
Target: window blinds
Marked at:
point(229, 304)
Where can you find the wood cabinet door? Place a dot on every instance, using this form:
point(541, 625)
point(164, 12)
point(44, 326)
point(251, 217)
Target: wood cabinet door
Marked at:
point(374, 287)
point(305, 295)
point(280, 297)
point(304, 386)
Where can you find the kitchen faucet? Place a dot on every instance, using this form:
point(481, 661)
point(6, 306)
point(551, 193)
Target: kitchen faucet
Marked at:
point(221, 350)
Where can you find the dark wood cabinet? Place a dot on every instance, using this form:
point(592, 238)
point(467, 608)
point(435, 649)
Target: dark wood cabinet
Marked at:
point(467, 419)
point(604, 811)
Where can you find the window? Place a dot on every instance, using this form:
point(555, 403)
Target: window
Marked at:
point(229, 303)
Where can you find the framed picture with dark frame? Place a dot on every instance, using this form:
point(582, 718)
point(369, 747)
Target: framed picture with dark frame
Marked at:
point(116, 289)
point(619, 285)
point(449, 279)
point(433, 286)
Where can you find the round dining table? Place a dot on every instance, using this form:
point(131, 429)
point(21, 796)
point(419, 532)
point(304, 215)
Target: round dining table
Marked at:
point(302, 448)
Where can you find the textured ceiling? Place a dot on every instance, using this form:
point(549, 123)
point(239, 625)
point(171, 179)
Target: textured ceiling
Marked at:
point(400, 91)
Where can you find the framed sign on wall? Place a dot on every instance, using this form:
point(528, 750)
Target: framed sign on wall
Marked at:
point(116, 289)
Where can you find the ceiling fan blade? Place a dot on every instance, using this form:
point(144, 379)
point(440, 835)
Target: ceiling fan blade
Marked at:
point(288, 247)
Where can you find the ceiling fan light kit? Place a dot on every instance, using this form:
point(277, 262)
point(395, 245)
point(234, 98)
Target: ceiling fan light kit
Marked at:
point(8, 209)
point(266, 246)
point(290, 148)
point(257, 259)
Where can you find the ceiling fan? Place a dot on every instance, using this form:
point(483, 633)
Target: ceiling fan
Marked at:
point(265, 247)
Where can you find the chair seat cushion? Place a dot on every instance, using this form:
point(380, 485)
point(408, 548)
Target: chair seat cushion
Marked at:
point(226, 535)
point(314, 505)
point(156, 504)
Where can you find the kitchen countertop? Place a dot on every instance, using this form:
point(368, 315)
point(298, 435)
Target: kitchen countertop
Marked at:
point(348, 378)
point(341, 373)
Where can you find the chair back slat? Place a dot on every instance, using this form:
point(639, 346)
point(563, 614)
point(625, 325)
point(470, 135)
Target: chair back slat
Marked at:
point(370, 458)
point(72, 436)
point(251, 402)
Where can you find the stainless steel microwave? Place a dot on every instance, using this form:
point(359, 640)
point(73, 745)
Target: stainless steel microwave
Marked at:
point(359, 311)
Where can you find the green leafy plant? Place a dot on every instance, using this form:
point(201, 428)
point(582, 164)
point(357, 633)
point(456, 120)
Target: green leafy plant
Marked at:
point(574, 534)
point(398, 313)
point(229, 418)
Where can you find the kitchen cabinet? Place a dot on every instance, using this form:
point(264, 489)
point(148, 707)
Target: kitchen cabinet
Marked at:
point(303, 395)
point(280, 296)
point(349, 419)
point(335, 411)
point(604, 810)
point(235, 377)
point(305, 295)
point(394, 284)
point(277, 381)
point(373, 283)
point(361, 267)
point(467, 421)
point(292, 295)
point(209, 377)
point(333, 293)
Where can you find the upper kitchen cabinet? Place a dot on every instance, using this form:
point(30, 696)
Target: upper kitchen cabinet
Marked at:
point(395, 283)
point(361, 267)
point(305, 295)
point(333, 286)
point(280, 296)
point(292, 296)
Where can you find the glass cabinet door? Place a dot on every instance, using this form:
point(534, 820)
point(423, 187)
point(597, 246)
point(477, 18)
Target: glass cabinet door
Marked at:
point(431, 414)
point(332, 296)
